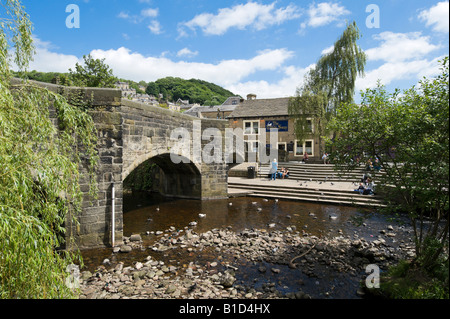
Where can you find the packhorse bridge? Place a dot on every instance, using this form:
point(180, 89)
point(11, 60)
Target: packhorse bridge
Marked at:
point(129, 134)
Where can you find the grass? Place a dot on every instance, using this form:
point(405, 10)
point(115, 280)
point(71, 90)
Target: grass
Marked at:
point(407, 281)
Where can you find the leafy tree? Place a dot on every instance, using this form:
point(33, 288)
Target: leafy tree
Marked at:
point(409, 135)
point(196, 91)
point(329, 84)
point(39, 190)
point(94, 73)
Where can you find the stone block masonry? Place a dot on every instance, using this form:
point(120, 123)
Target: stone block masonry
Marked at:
point(130, 133)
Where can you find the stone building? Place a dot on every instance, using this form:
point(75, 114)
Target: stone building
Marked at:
point(215, 111)
point(258, 116)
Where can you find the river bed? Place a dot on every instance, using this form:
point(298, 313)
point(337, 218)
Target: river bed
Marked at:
point(274, 224)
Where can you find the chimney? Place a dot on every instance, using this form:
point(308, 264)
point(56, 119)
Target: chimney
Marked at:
point(251, 96)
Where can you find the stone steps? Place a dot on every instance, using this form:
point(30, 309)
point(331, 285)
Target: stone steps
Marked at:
point(316, 172)
point(318, 195)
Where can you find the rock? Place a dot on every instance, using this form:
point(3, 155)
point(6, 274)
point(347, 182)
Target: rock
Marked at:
point(275, 270)
point(390, 234)
point(85, 275)
point(125, 249)
point(171, 289)
point(227, 280)
point(213, 264)
point(360, 292)
point(262, 269)
point(135, 237)
point(138, 265)
point(106, 261)
point(119, 267)
point(390, 227)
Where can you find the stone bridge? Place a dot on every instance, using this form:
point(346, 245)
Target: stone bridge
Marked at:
point(130, 134)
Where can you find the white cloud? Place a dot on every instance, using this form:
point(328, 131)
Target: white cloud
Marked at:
point(135, 66)
point(399, 70)
point(437, 17)
point(150, 13)
point(323, 14)
point(401, 46)
point(292, 78)
point(251, 14)
point(187, 53)
point(404, 56)
point(47, 61)
point(327, 50)
point(146, 14)
point(155, 27)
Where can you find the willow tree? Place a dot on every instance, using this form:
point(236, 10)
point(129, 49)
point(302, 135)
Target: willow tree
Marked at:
point(38, 171)
point(408, 133)
point(329, 84)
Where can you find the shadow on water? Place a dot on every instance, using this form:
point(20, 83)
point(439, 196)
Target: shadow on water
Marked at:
point(146, 214)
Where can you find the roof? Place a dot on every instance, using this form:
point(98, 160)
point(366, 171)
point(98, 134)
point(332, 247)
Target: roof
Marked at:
point(207, 109)
point(261, 108)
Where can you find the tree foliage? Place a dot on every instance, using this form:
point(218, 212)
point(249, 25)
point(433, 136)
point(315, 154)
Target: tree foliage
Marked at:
point(39, 172)
point(408, 134)
point(94, 73)
point(329, 84)
point(196, 91)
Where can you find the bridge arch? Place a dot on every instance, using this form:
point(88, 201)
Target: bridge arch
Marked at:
point(182, 180)
point(129, 134)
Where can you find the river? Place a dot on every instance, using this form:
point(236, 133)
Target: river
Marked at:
point(146, 214)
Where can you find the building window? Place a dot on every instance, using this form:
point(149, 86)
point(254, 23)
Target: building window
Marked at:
point(251, 127)
point(306, 146)
point(251, 146)
point(309, 125)
point(282, 146)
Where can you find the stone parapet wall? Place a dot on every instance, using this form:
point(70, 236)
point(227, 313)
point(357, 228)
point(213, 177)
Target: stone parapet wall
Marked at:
point(130, 133)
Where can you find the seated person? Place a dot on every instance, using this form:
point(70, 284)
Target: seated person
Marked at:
point(286, 173)
point(281, 173)
point(360, 189)
point(377, 165)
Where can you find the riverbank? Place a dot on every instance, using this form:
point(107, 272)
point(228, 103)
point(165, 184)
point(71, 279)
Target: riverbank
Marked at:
point(321, 265)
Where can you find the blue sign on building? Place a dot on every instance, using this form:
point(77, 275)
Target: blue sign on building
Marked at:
point(282, 125)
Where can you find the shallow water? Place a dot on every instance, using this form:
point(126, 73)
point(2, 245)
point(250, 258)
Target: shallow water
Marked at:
point(144, 213)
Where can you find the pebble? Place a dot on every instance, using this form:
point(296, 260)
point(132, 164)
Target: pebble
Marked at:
point(152, 278)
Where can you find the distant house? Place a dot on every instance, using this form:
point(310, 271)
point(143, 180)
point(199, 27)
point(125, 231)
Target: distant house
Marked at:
point(258, 116)
point(215, 111)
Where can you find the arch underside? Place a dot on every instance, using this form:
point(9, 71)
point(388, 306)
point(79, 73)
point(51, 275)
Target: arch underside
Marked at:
point(181, 180)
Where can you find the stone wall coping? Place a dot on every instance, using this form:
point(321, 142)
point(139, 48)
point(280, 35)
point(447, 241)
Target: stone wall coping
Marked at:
point(101, 96)
point(166, 112)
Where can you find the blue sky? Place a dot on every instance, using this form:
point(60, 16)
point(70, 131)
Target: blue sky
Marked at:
point(260, 47)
